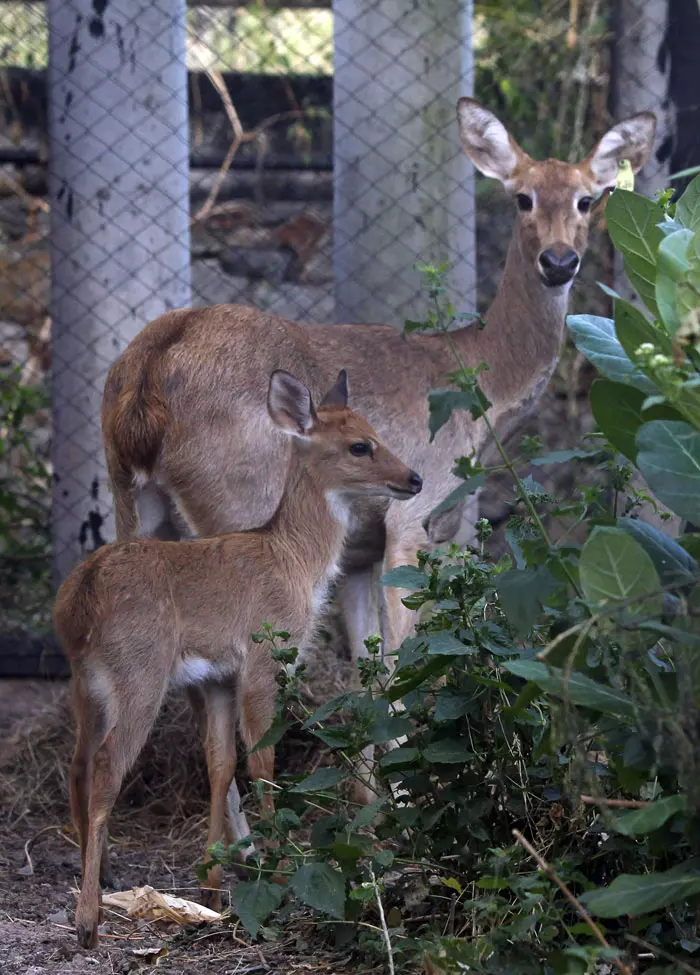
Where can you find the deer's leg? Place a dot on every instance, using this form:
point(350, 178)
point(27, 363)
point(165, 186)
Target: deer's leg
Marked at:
point(220, 744)
point(258, 713)
point(402, 545)
point(119, 746)
point(235, 825)
point(359, 605)
point(357, 597)
point(125, 517)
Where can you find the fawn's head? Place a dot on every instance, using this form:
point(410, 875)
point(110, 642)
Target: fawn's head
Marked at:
point(554, 198)
point(341, 447)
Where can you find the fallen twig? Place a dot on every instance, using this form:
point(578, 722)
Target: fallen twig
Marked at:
point(385, 929)
point(614, 803)
point(655, 950)
point(572, 899)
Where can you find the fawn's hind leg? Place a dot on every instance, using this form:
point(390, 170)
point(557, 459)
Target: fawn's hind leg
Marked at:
point(129, 718)
point(221, 705)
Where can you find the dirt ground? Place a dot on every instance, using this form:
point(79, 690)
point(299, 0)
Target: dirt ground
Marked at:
point(157, 835)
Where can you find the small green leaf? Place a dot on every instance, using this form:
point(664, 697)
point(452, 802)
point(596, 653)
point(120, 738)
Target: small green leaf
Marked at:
point(632, 222)
point(405, 577)
point(320, 886)
point(669, 459)
point(389, 728)
point(449, 751)
point(493, 883)
point(367, 815)
point(398, 758)
point(617, 411)
point(579, 689)
point(522, 593)
point(254, 902)
point(595, 337)
point(462, 491)
point(443, 402)
point(639, 894)
point(633, 329)
point(321, 779)
point(651, 817)
point(615, 568)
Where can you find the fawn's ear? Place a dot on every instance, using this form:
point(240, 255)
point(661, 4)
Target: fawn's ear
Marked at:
point(338, 394)
point(289, 404)
point(487, 142)
point(631, 139)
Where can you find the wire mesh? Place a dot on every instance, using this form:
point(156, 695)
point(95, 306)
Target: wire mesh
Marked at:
point(265, 124)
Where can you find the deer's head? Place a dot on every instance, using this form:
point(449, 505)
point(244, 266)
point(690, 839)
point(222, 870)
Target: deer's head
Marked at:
point(339, 446)
point(554, 198)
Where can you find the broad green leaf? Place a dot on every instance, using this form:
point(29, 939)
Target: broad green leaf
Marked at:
point(639, 894)
point(274, 733)
point(462, 491)
point(651, 817)
point(671, 561)
point(633, 329)
point(443, 402)
point(689, 287)
point(669, 458)
point(367, 814)
point(617, 411)
point(254, 902)
point(595, 337)
point(398, 758)
point(320, 886)
point(615, 568)
point(449, 751)
point(632, 222)
point(672, 266)
point(451, 704)
point(405, 577)
point(322, 778)
point(686, 399)
point(522, 593)
point(446, 643)
point(688, 206)
point(389, 727)
point(580, 690)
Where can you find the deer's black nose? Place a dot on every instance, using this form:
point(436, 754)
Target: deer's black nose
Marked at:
point(558, 265)
point(416, 481)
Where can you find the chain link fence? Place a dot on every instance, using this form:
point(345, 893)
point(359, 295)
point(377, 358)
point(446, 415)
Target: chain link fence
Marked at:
point(298, 159)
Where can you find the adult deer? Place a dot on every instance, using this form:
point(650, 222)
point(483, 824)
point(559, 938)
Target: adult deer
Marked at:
point(190, 448)
point(140, 616)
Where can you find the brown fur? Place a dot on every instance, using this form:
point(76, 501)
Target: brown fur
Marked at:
point(140, 615)
point(216, 463)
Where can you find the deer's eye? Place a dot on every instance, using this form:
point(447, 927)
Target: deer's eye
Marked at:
point(585, 204)
point(524, 202)
point(360, 449)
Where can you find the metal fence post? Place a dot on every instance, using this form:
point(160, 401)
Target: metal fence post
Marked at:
point(403, 188)
point(120, 243)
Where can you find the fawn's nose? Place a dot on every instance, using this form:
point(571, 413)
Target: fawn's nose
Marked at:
point(416, 482)
point(558, 265)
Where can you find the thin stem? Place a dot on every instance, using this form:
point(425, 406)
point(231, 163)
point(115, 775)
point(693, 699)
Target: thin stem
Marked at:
point(382, 919)
point(572, 899)
point(614, 803)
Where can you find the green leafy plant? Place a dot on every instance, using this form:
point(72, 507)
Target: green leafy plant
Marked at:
point(539, 812)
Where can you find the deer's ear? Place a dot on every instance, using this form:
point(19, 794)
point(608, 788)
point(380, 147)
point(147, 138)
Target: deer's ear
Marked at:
point(631, 139)
point(289, 404)
point(337, 395)
point(487, 142)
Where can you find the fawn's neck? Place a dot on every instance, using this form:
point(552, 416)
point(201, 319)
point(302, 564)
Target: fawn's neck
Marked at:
point(522, 337)
point(310, 522)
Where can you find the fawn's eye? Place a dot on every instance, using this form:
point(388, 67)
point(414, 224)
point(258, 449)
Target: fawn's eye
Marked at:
point(524, 202)
point(360, 449)
point(585, 204)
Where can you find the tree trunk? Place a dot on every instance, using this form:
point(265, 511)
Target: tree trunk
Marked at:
point(403, 188)
point(118, 185)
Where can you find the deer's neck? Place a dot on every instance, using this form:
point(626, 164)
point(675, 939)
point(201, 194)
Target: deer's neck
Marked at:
point(311, 523)
point(522, 337)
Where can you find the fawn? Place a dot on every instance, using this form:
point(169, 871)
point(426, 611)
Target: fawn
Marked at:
point(139, 617)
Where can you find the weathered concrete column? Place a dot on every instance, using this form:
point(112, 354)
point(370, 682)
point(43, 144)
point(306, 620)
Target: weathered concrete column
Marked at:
point(403, 187)
point(120, 248)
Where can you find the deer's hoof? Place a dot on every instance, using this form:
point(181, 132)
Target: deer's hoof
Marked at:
point(87, 934)
point(212, 899)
